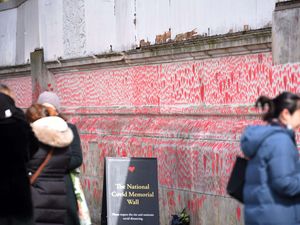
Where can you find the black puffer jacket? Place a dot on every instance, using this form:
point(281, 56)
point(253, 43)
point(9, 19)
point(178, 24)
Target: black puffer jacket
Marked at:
point(49, 190)
point(75, 154)
point(16, 137)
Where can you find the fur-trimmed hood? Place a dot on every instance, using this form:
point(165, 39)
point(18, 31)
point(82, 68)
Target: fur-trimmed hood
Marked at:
point(52, 131)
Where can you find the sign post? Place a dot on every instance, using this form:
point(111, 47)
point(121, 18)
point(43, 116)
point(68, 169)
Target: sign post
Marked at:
point(131, 192)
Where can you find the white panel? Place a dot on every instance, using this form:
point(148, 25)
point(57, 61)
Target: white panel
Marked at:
point(264, 12)
point(31, 22)
point(70, 28)
point(51, 28)
point(125, 28)
point(153, 18)
point(184, 15)
point(74, 28)
point(8, 22)
point(210, 17)
point(219, 17)
point(20, 45)
point(100, 25)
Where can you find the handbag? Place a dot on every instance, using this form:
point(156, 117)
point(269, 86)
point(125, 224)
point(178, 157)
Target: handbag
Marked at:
point(41, 167)
point(235, 185)
point(83, 210)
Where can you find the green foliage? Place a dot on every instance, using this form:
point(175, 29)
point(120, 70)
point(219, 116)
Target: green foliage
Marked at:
point(184, 217)
point(181, 219)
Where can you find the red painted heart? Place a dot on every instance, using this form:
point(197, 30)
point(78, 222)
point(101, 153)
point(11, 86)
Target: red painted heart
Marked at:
point(131, 169)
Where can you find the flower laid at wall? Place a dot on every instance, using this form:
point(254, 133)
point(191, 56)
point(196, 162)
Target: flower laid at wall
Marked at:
point(182, 219)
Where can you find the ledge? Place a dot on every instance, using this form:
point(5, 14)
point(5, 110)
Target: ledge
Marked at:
point(10, 4)
point(240, 43)
point(166, 110)
point(287, 5)
point(15, 71)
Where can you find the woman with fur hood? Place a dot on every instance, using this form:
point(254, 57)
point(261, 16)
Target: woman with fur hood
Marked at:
point(51, 100)
point(49, 189)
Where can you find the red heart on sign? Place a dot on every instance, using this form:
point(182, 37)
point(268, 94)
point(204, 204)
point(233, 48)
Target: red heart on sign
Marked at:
point(131, 168)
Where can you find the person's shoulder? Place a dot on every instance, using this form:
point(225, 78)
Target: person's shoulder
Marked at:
point(19, 113)
point(10, 120)
point(280, 143)
point(281, 134)
point(13, 126)
point(71, 125)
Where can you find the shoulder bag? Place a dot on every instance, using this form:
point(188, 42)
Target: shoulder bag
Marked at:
point(236, 180)
point(41, 167)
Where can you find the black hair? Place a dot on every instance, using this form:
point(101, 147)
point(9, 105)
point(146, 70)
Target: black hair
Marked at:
point(285, 100)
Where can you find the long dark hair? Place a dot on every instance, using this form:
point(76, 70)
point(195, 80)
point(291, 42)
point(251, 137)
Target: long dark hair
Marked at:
point(285, 100)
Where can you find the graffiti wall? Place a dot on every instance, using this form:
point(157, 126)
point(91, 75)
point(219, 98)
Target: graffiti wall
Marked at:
point(22, 88)
point(189, 115)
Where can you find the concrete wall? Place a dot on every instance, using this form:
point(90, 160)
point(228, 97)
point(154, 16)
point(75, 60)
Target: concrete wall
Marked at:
point(8, 29)
point(22, 87)
point(51, 28)
point(28, 32)
point(76, 28)
point(286, 30)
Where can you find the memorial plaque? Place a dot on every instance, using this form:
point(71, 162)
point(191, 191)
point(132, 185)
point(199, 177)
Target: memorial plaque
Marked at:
point(131, 189)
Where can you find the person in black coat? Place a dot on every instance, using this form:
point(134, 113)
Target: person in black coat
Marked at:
point(17, 144)
point(75, 154)
point(50, 99)
point(49, 190)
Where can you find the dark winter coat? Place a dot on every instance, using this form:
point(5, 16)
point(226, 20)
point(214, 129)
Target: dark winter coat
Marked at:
point(272, 187)
point(16, 138)
point(49, 190)
point(75, 154)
